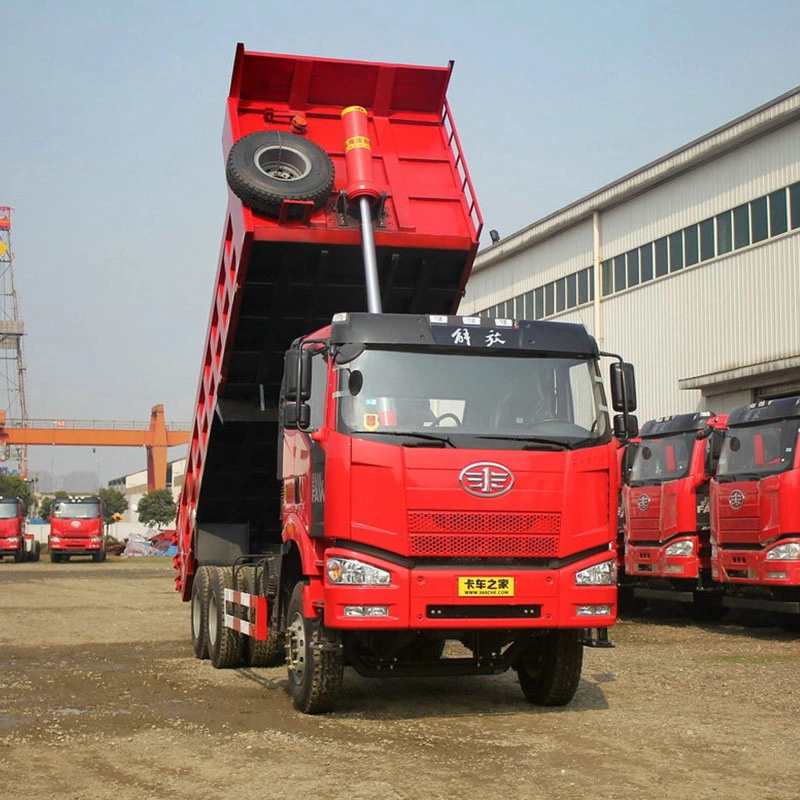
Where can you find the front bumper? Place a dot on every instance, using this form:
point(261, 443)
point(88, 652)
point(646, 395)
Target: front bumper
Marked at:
point(751, 567)
point(650, 561)
point(430, 598)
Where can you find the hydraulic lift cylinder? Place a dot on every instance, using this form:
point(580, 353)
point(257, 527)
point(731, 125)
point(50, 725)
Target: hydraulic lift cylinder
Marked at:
point(361, 188)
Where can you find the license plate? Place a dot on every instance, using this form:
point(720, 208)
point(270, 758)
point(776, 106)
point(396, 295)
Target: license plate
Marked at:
point(485, 587)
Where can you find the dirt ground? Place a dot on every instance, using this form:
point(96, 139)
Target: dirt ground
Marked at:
point(101, 697)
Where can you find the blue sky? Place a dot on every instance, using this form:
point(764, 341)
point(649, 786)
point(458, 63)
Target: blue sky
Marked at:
point(110, 149)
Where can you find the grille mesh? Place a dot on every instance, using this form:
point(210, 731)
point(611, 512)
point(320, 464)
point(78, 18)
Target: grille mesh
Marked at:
point(456, 534)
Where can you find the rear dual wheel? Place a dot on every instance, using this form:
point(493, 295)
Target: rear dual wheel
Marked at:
point(224, 644)
point(271, 651)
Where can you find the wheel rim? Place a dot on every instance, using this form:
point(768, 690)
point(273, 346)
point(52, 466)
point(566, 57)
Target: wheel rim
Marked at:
point(282, 163)
point(212, 620)
point(296, 647)
point(197, 617)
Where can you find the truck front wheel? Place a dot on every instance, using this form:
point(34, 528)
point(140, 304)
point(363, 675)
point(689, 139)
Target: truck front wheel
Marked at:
point(550, 670)
point(315, 664)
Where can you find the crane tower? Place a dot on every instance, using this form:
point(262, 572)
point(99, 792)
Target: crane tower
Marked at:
point(13, 458)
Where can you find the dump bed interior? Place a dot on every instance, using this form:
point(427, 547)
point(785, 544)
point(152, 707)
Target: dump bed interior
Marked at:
point(281, 278)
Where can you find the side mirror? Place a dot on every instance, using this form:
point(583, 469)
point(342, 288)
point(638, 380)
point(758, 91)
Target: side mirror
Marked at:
point(713, 452)
point(623, 386)
point(626, 426)
point(297, 372)
point(296, 416)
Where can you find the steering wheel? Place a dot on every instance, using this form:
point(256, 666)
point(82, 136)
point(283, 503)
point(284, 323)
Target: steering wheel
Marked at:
point(449, 414)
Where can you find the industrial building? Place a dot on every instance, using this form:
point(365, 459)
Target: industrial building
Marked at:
point(689, 267)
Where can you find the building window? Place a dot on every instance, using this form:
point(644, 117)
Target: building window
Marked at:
point(646, 259)
point(741, 226)
point(794, 204)
point(583, 286)
point(778, 222)
point(619, 273)
point(707, 239)
point(662, 256)
point(691, 245)
point(528, 305)
point(633, 267)
point(759, 220)
point(676, 251)
point(572, 290)
point(561, 294)
point(549, 299)
point(538, 303)
point(608, 278)
point(724, 232)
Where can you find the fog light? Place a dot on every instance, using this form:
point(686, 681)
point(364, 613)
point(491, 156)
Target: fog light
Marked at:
point(366, 611)
point(673, 568)
point(593, 611)
point(777, 576)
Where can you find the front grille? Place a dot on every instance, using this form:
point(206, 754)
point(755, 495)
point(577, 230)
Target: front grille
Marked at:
point(741, 530)
point(454, 534)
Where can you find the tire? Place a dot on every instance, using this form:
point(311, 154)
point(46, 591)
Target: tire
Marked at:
point(267, 167)
point(198, 612)
point(224, 644)
point(549, 673)
point(99, 557)
point(315, 673)
point(790, 623)
point(55, 557)
point(36, 553)
point(270, 652)
point(19, 556)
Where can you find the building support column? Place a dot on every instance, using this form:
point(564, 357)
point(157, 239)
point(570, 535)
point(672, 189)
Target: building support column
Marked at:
point(598, 283)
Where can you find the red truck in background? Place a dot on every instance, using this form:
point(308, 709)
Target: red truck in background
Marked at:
point(755, 511)
point(77, 529)
point(14, 539)
point(665, 500)
point(370, 475)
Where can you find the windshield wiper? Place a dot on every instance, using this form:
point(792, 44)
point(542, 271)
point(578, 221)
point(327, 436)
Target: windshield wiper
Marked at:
point(417, 439)
point(533, 442)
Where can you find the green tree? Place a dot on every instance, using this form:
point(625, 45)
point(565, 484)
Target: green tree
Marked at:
point(156, 508)
point(114, 502)
point(14, 486)
point(46, 504)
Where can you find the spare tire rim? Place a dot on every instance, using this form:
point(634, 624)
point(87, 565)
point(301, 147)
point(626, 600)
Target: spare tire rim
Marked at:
point(281, 162)
point(296, 648)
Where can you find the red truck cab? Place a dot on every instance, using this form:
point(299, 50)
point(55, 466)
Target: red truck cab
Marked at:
point(755, 510)
point(665, 498)
point(12, 528)
point(76, 529)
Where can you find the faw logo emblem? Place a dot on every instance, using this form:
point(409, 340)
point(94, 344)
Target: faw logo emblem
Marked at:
point(486, 479)
point(643, 502)
point(75, 523)
point(736, 499)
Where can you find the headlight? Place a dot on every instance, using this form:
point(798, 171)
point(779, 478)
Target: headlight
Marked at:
point(55, 539)
point(356, 573)
point(683, 548)
point(784, 552)
point(604, 574)
point(96, 540)
point(13, 540)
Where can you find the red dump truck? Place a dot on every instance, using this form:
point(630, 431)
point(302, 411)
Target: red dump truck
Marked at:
point(371, 475)
point(76, 529)
point(755, 511)
point(665, 500)
point(14, 540)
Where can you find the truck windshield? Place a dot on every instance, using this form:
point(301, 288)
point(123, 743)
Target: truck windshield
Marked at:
point(557, 401)
point(758, 450)
point(8, 510)
point(663, 459)
point(67, 510)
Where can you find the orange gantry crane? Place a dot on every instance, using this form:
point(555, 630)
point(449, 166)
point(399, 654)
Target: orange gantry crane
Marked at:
point(158, 437)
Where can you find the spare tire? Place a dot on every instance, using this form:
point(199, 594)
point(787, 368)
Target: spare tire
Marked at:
point(267, 167)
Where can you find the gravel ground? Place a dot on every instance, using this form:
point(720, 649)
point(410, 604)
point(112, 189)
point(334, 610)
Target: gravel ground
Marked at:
point(100, 697)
